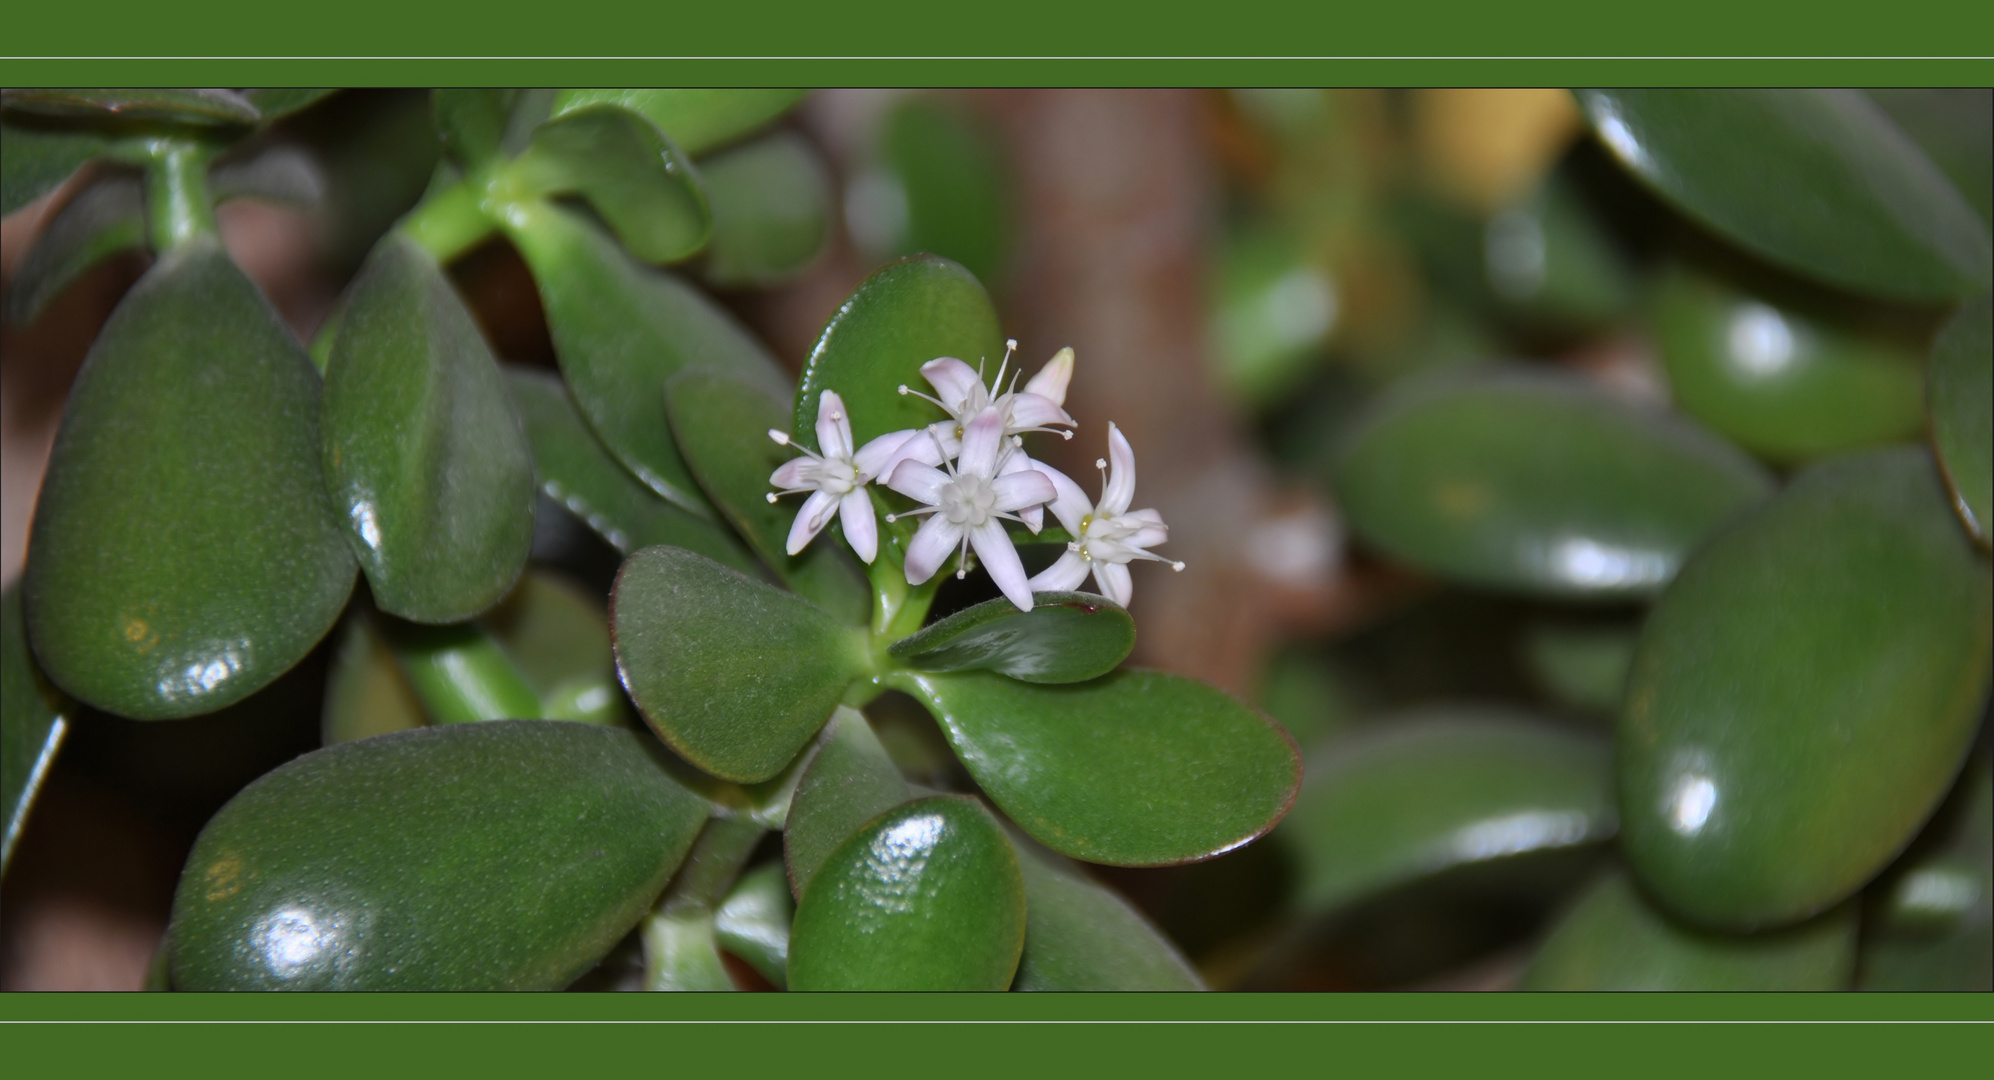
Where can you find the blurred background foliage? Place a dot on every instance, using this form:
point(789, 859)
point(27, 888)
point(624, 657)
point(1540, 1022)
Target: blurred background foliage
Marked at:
point(1338, 303)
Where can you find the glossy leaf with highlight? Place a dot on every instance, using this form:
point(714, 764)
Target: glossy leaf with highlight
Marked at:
point(1137, 768)
point(927, 897)
point(183, 551)
point(1961, 403)
point(1803, 695)
point(1932, 925)
point(1537, 483)
point(735, 675)
point(1818, 181)
point(424, 454)
point(503, 856)
point(31, 725)
point(641, 185)
point(1066, 637)
point(753, 922)
point(849, 782)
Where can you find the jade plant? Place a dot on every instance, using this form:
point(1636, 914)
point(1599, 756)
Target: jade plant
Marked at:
point(1702, 665)
point(517, 778)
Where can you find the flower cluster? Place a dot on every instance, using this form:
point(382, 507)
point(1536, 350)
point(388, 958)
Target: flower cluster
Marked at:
point(970, 474)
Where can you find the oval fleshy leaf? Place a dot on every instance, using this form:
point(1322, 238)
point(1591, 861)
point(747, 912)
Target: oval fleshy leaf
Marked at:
point(184, 552)
point(722, 424)
point(35, 160)
point(1421, 795)
point(31, 725)
point(696, 119)
point(1582, 665)
point(1066, 637)
point(101, 220)
point(503, 856)
point(1614, 939)
point(630, 173)
point(577, 472)
point(460, 673)
point(471, 121)
point(1932, 927)
point(1081, 936)
point(907, 313)
point(753, 922)
point(1818, 181)
point(620, 330)
point(1538, 483)
point(1137, 768)
point(365, 692)
point(1779, 382)
point(1962, 389)
point(939, 186)
point(849, 782)
point(557, 636)
point(273, 103)
point(424, 452)
point(1803, 695)
point(201, 107)
point(928, 897)
point(1551, 262)
point(735, 675)
point(771, 211)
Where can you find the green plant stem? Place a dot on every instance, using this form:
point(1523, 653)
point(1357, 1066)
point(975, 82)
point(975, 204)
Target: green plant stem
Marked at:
point(715, 862)
point(178, 207)
point(451, 221)
point(681, 949)
point(460, 673)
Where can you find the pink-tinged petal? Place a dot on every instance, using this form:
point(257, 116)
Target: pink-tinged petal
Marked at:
point(1021, 489)
point(1120, 488)
point(1050, 382)
point(954, 381)
point(932, 545)
point(1033, 411)
point(980, 442)
point(877, 458)
point(1032, 516)
point(994, 549)
point(922, 483)
point(816, 513)
point(789, 474)
point(861, 531)
point(1147, 537)
point(1115, 582)
point(930, 445)
point(1070, 505)
point(834, 426)
point(1064, 575)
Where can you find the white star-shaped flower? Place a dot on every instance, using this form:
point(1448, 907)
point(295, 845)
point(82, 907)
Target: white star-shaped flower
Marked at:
point(1107, 536)
point(966, 506)
point(835, 476)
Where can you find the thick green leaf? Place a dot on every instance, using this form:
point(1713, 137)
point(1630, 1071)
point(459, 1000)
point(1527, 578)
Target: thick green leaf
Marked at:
point(1818, 181)
point(1550, 261)
point(279, 173)
point(849, 782)
point(927, 897)
point(424, 453)
point(1780, 381)
point(621, 329)
point(1614, 939)
point(577, 472)
point(1581, 664)
point(1955, 125)
point(722, 424)
point(697, 120)
point(504, 856)
point(365, 692)
point(1066, 637)
point(735, 675)
point(470, 122)
point(203, 107)
point(641, 185)
point(557, 636)
point(1933, 927)
point(1428, 793)
point(1961, 401)
point(1081, 936)
point(771, 210)
point(753, 922)
point(1137, 768)
point(34, 160)
point(907, 313)
point(460, 673)
point(101, 220)
point(938, 186)
point(275, 102)
point(184, 552)
point(1803, 695)
point(31, 725)
point(1537, 483)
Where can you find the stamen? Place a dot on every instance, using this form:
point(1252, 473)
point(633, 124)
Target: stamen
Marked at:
point(771, 498)
point(936, 402)
point(781, 437)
